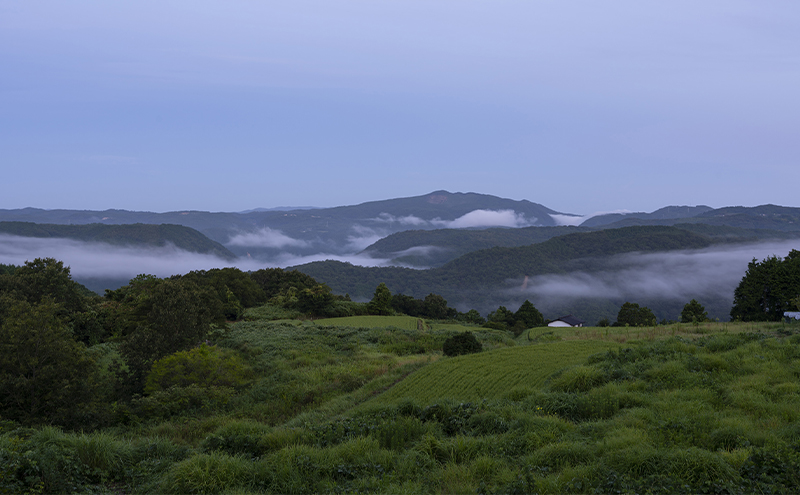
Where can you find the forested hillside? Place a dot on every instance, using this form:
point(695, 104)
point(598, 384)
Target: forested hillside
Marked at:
point(668, 212)
point(483, 279)
point(764, 218)
point(431, 248)
point(134, 235)
point(434, 248)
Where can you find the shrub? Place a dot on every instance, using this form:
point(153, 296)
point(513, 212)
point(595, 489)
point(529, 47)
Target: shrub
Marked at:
point(578, 379)
point(237, 437)
point(463, 343)
point(205, 366)
point(207, 473)
point(182, 401)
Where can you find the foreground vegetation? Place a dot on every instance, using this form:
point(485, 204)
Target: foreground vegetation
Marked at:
point(708, 408)
point(224, 381)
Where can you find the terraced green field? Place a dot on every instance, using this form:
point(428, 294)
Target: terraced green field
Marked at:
point(404, 322)
point(492, 374)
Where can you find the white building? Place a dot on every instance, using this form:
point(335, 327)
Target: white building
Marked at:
point(566, 321)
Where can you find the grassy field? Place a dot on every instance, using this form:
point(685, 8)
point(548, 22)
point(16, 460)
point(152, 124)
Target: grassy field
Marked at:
point(370, 405)
point(492, 374)
point(404, 322)
point(637, 334)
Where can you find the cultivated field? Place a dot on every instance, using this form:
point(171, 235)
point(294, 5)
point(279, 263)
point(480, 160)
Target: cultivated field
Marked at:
point(492, 374)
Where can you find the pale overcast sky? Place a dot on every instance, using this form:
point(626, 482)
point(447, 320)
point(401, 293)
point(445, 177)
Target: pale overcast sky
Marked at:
point(582, 106)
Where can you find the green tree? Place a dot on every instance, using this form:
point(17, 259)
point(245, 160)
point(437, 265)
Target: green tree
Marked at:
point(462, 343)
point(231, 307)
point(45, 375)
point(179, 315)
point(472, 316)
point(529, 315)
point(47, 278)
point(381, 303)
point(315, 301)
point(275, 281)
point(632, 315)
point(501, 318)
point(435, 307)
point(767, 288)
point(246, 290)
point(693, 312)
point(408, 305)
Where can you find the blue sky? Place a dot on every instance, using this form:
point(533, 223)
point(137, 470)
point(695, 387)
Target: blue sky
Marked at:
point(582, 106)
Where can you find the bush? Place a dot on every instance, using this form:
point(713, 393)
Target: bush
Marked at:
point(579, 378)
point(177, 401)
point(207, 473)
point(206, 366)
point(463, 343)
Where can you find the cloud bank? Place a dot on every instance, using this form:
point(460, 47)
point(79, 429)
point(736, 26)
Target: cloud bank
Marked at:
point(573, 220)
point(104, 261)
point(679, 276)
point(266, 238)
point(475, 218)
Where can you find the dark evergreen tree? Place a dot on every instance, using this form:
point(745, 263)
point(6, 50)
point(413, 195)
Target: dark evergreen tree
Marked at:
point(767, 289)
point(381, 303)
point(529, 315)
point(693, 312)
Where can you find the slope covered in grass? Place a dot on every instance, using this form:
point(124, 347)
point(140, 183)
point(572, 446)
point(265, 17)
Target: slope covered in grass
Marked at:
point(326, 412)
point(373, 321)
point(492, 374)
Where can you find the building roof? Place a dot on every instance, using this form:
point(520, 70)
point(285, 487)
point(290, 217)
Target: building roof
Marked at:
point(570, 320)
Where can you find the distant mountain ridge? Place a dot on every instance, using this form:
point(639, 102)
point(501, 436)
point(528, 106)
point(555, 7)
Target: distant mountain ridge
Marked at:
point(668, 212)
point(337, 230)
point(478, 248)
point(383, 227)
point(764, 217)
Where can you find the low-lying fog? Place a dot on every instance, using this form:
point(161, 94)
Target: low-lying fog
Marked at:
point(100, 260)
point(679, 276)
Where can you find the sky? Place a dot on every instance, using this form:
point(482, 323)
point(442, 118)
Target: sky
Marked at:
point(581, 106)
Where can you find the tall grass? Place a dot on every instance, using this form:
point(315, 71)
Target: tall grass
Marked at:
point(333, 411)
